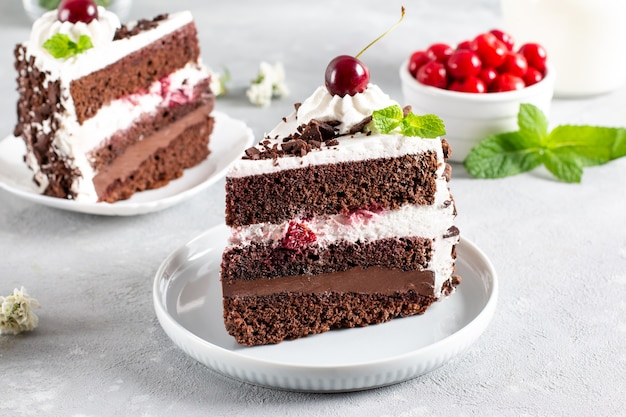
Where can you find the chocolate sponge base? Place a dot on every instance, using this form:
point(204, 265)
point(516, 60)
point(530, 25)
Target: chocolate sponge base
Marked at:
point(284, 316)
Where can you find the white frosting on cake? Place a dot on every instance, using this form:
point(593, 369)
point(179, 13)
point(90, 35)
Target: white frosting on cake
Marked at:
point(350, 110)
point(99, 57)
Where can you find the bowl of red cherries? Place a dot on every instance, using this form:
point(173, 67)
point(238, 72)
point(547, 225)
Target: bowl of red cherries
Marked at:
point(477, 86)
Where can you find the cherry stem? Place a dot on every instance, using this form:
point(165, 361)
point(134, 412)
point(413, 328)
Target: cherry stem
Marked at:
point(383, 35)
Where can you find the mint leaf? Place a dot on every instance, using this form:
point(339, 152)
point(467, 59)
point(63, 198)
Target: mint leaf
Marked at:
point(391, 118)
point(564, 165)
point(564, 151)
point(593, 145)
point(500, 156)
point(618, 149)
point(62, 46)
point(533, 124)
point(426, 126)
point(84, 43)
point(387, 119)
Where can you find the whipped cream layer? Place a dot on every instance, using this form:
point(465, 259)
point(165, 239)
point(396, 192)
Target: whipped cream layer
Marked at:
point(431, 222)
point(323, 106)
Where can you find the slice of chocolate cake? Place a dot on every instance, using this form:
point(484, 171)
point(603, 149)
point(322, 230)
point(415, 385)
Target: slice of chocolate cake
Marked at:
point(336, 225)
point(106, 109)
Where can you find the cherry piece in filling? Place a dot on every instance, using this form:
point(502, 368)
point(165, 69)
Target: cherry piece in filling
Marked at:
point(75, 11)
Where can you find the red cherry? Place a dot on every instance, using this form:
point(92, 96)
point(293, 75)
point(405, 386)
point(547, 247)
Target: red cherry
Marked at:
point(532, 76)
point(346, 75)
point(418, 58)
point(506, 82)
point(488, 75)
point(75, 11)
point(434, 74)
point(463, 63)
point(504, 37)
point(514, 64)
point(464, 45)
point(297, 236)
point(490, 49)
point(439, 51)
point(535, 54)
point(471, 84)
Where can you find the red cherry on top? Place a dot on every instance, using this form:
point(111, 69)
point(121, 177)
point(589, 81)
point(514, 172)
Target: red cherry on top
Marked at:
point(346, 75)
point(75, 11)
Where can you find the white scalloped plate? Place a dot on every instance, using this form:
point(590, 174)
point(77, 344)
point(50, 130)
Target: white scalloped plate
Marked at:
point(229, 139)
point(188, 303)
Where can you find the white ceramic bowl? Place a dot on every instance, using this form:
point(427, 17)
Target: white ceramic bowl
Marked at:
point(471, 117)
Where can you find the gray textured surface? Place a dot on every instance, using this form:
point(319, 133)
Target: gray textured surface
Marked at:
point(557, 345)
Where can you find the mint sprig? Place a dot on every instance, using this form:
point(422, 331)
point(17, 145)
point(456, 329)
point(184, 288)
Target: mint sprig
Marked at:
point(564, 151)
point(62, 46)
point(392, 119)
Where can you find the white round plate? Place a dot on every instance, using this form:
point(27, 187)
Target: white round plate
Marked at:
point(188, 303)
point(229, 139)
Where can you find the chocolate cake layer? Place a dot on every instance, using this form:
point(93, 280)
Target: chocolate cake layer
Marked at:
point(257, 260)
point(148, 124)
point(274, 318)
point(331, 189)
point(135, 72)
point(156, 160)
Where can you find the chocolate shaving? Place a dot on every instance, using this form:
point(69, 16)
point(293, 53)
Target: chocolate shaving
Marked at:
point(142, 25)
point(253, 153)
point(446, 148)
point(451, 232)
point(447, 173)
point(359, 127)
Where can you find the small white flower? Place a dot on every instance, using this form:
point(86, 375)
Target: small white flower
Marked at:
point(16, 312)
point(218, 81)
point(270, 83)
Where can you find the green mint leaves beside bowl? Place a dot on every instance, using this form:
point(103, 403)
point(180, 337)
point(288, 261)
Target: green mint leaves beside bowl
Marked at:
point(564, 150)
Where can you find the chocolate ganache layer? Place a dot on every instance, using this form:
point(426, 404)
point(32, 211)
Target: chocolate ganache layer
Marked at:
point(149, 163)
point(372, 280)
